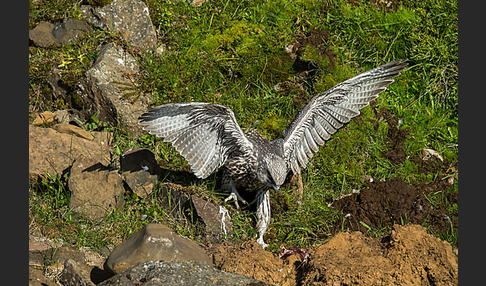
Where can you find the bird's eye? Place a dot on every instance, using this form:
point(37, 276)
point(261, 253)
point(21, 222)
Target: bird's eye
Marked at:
point(270, 178)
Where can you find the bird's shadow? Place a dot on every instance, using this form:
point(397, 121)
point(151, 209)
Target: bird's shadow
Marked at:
point(144, 159)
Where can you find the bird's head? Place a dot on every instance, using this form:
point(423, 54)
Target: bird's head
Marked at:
point(274, 172)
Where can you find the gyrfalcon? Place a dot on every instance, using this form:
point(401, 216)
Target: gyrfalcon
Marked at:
point(208, 137)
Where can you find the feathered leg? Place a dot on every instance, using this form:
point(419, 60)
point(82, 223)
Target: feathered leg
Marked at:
point(263, 214)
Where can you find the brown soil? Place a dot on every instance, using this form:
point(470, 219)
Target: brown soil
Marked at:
point(384, 203)
point(395, 201)
point(406, 256)
point(251, 260)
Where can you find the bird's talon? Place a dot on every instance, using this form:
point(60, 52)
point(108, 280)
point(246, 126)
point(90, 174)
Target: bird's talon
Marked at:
point(261, 242)
point(235, 197)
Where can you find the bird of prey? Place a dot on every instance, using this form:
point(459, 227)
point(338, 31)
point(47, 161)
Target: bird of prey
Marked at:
point(209, 137)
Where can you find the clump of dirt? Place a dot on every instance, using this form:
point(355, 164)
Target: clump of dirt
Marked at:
point(302, 83)
point(395, 201)
point(395, 142)
point(318, 38)
point(406, 256)
point(251, 260)
point(395, 137)
point(384, 203)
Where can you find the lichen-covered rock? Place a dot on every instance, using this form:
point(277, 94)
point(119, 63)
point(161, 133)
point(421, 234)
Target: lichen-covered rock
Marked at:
point(102, 91)
point(178, 273)
point(128, 18)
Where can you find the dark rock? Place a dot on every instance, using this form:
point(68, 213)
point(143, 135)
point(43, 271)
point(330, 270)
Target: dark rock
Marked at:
point(95, 189)
point(48, 35)
point(69, 264)
point(56, 254)
point(74, 275)
point(61, 254)
point(154, 242)
point(59, 89)
point(43, 250)
point(180, 204)
point(140, 171)
point(53, 152)
point(128, 18)
point(140, 182)
point(215, 218)
point(137, 159)
point(70, 30)
point(178, 273)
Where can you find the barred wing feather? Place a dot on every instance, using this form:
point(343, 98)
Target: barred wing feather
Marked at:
point(204, 134)
point(327, 112)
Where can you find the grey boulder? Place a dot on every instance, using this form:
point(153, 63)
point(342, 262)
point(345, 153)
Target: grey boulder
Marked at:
point(151, 243)
point(103, 91)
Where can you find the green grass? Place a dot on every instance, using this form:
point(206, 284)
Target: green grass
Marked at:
point(233, 53)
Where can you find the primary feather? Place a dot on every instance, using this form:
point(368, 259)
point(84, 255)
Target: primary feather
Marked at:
point(327, 112)
point(208, 136)
point(205, 134)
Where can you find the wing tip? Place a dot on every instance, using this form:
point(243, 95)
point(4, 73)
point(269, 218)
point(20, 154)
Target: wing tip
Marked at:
point(396, 65)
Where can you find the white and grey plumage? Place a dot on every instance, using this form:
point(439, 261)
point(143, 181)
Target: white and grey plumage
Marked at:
point(208, 136)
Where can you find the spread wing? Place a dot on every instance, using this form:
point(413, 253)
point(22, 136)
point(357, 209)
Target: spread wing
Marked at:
point(204, 134)
point(327, 112)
